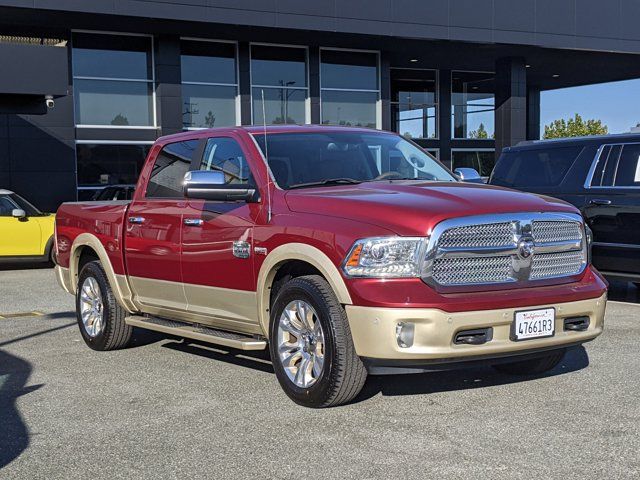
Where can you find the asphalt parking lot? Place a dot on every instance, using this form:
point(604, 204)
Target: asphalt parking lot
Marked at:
point(168, 409)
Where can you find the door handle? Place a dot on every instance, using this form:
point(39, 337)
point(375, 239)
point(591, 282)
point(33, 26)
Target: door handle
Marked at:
point(136, 220)
point(193, 222)
point(599, 201)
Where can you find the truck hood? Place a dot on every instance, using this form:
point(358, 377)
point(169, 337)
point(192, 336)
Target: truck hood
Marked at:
point(415, 207)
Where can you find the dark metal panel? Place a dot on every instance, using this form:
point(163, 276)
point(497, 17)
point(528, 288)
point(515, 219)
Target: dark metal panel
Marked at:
point(321, 8)
point(117, 134)
point(630, 17)
point(471, 13)
point(35, 70)
point(595, 18)
point(418, 12)
point(365, 9)
point(510, 15)
point(556, 17)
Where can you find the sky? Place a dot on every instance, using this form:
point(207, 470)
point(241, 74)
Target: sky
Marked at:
point(617, 104)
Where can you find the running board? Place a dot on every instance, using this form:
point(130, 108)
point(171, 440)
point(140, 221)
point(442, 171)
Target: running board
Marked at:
point(196, 332)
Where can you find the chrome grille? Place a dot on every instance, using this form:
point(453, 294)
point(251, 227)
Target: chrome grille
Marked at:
point(460, 271)
point(550, 265)
point(547, 231)
point(487, 235)
point(504, 249)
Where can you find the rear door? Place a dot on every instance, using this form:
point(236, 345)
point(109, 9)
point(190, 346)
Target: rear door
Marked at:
point(217, 244)
point(612, 208)
point(153, 231)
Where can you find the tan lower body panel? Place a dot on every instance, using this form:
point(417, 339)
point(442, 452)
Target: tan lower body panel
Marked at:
point(374, 330)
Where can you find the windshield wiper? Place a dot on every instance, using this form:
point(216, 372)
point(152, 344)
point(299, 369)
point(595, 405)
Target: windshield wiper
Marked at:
point(329, 181)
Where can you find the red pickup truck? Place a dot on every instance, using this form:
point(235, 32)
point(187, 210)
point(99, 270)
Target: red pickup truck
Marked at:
point(344, 251)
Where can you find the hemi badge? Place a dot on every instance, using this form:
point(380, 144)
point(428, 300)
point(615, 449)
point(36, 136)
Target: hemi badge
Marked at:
point(260, 251)
point(241, 249)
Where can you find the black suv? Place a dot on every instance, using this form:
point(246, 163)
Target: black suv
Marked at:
point(601, 176)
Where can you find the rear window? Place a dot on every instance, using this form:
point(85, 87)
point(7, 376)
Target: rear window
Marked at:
point(534, 168)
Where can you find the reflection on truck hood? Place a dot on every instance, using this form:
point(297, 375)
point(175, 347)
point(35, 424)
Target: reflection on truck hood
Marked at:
point(415, 207)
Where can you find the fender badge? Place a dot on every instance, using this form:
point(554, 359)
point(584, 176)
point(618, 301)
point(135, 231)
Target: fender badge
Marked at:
point(260, 251)
point(241, 249)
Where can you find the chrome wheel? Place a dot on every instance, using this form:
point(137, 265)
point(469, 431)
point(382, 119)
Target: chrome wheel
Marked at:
point(301, 343)
point(91, 307)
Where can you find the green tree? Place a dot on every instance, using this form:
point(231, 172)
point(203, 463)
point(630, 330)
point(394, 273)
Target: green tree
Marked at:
point(120, 120)
point(481, 133)
point(574, 127)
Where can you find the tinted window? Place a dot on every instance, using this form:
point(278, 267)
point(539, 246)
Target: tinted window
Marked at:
point(628, 172)
point(278, 66)
point(225, 155)
point(107, 164)
point(169, 169)
point(111, 56)
point(534, 168)
point(605, 170)
point(480, 160)
point(349, 70)
point(208, 62)
point(6, 206)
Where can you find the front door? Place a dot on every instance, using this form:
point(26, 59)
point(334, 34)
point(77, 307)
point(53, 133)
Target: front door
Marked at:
point(217, 245)
point(153, 232)
point(18, 236)
point(612, 209)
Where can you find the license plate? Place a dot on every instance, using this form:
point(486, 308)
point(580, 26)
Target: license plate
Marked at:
point(530, 324)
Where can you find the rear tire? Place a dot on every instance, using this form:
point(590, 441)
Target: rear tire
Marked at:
point(533, 366)
point(100, 316)
point(312, 352)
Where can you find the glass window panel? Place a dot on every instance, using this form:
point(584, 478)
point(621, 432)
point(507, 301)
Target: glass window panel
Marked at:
point(171, 164)
point(281, 106)
point(208, 106)
point(412, 121)
point(224, 154)
point(473, 105)
point(112, 56)
point(106, 164)
point(107, 102)
point(482, 161)
point(349, 70)
point(628, 173)
point(414, 103)
point(534, 168)
point(357, 109)
point(208, 62)
point(278, 66)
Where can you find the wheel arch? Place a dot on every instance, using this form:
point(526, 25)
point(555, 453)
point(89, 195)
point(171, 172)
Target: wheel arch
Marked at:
point(300, 254)
point(88, 244)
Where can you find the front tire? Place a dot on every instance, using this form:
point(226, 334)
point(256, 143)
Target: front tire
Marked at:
point(100, 316)
point(311, 345)
point(534, 366)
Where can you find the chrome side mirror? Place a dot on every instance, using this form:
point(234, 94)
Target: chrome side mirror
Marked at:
point(210, 185)
point(18, 213)
point(470, 175)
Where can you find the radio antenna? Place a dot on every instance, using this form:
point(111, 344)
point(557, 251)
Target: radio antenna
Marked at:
point(266, 156)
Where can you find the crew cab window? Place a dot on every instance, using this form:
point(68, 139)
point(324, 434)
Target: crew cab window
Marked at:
point(628, 171)
point(172, 163)
point(224, 154)
point(534, 168)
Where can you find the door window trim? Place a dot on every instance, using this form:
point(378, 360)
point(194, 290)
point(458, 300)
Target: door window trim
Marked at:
point(594, 164)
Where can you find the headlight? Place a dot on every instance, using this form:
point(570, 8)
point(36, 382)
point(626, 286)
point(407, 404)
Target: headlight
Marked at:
point(386, 257)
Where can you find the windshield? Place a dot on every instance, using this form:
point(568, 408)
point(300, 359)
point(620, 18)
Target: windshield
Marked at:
point(307, 159)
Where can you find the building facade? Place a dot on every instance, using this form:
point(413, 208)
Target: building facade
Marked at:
point(88, 86)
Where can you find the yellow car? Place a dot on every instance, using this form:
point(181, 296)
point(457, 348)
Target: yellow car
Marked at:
point(26, 234)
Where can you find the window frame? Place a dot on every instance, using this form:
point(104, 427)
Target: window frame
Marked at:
point(437, 104)
point(306, 89)
point(151, 81)
point(452, 105)
point(238, 105)
point(594, 164)
point(106, 142)
point(365, 90)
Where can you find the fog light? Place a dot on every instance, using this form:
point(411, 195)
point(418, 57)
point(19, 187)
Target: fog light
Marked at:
point(404, 334)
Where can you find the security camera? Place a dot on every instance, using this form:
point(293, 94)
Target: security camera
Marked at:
point(48, 100)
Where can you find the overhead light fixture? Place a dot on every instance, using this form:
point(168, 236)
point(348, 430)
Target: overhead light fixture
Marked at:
point(474, 88)
point(555, 75)
point(528, 66)
point(413, 60)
